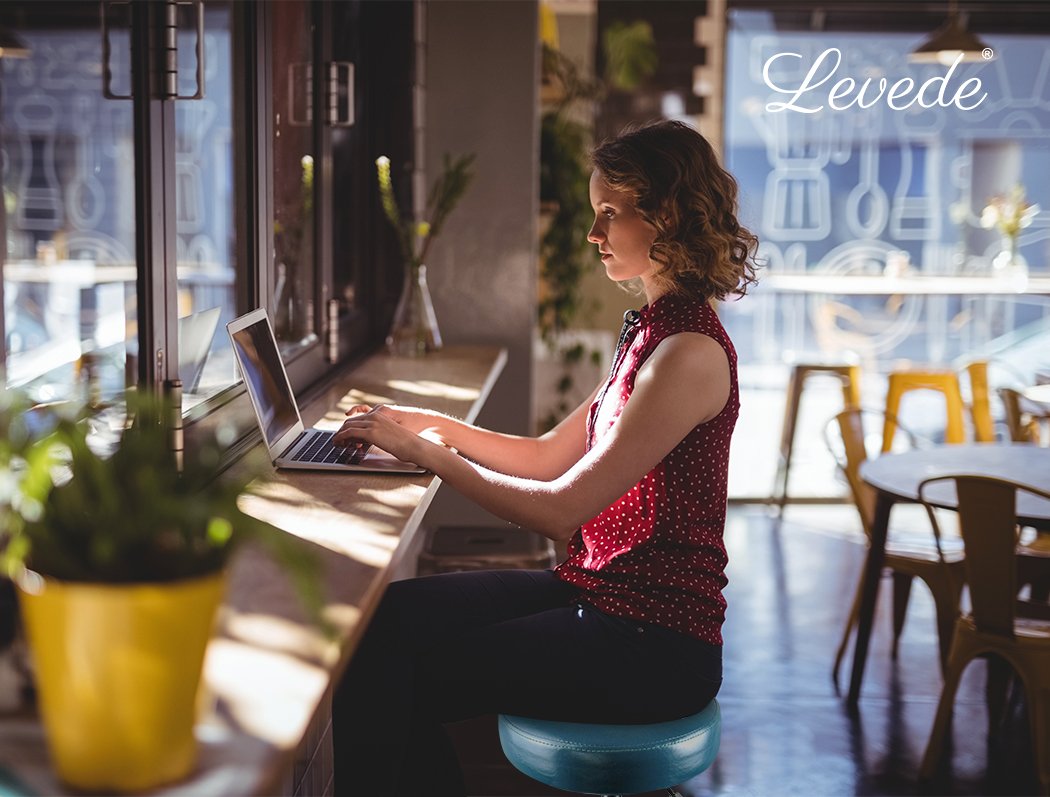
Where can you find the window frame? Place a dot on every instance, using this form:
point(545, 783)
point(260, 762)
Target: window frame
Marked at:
point(373, 242)
point(366, 253)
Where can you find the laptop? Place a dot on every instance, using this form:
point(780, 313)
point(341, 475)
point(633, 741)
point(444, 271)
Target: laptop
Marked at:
point(289, 443)
point(195, 335)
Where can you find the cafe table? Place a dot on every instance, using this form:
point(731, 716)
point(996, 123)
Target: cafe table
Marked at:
point(896, 478)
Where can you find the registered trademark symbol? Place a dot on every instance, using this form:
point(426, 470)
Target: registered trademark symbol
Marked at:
point(987, 54)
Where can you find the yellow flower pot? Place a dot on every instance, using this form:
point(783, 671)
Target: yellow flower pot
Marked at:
point(117, 670)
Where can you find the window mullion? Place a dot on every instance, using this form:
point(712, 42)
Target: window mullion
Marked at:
point(154, 134)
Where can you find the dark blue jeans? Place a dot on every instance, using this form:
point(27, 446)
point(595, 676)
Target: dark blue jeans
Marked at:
point(453, 646)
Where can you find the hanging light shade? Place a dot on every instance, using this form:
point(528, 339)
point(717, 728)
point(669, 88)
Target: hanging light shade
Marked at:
point(949, 42)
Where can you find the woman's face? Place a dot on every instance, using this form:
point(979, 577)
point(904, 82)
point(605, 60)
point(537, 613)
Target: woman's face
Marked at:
point(623, 236)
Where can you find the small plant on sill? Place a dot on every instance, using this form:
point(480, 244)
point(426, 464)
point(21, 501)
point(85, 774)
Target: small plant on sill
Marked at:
point(121, 564)
point(138, 514)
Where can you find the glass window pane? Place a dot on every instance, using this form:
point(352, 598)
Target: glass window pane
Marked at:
point(868, 189)
point(295, 271)
point(67, 218)
point(205, 219)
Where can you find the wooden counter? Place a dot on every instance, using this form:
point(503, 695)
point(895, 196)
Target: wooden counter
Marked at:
point(267, 670)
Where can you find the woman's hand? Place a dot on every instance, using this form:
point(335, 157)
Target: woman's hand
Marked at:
point(382, 427)
point(423, 422)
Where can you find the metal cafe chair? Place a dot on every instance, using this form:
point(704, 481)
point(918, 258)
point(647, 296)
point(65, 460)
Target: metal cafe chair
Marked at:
point(988, 521)
point(938, 562)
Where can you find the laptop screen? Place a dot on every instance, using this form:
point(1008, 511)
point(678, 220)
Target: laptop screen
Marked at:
point(264, 375)
point(196, 332)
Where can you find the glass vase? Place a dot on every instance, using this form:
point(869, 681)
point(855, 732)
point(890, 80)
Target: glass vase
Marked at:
point(414, 332)
point(1009, 264)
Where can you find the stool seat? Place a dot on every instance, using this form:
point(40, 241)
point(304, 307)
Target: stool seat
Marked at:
point(612, 759)
point(942, 380)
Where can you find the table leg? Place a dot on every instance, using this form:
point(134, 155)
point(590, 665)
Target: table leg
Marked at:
point(872, 574)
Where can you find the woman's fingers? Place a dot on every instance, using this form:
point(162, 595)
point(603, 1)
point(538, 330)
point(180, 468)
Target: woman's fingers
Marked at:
point(352, 428)
point(365, 409)
point(358, 426)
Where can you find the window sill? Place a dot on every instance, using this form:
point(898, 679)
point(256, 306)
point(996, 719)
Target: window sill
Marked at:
point(267, 668)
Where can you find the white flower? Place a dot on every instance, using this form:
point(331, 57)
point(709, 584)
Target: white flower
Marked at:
point(1029, 214)
point(1009, 213)
point(989, 216)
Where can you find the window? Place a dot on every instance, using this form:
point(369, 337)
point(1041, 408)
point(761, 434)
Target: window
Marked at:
point(70, 307)
point(854, 191)
point(139, 218)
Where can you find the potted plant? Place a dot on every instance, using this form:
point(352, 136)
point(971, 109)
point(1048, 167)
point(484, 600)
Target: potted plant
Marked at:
point(120, 563)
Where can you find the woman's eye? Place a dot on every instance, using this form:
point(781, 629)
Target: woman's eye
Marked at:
point(609, 213)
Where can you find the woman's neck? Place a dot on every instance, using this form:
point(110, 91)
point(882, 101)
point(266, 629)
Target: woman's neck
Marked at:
point(652, 291)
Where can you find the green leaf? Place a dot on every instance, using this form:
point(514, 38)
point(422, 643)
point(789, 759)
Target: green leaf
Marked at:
point(133, 515)
point(630, 54)
point(220, 531)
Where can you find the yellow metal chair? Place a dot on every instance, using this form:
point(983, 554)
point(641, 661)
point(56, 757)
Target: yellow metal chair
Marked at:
point(1029, 422)
point(847, 373)
point(989, 529)
point(980, 402)
point(943, 380)
point(938, 562)
point(946, 382)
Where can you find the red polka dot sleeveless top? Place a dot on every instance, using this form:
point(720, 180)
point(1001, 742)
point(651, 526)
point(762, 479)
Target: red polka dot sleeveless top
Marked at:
point(657, 554)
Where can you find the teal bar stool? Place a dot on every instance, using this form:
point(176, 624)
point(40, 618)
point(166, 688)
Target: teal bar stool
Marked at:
point(612, 759)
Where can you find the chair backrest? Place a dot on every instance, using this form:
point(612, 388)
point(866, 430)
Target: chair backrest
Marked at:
point(1020, 432)
point(1022, 417)
point(846, 438)
point(988, 522)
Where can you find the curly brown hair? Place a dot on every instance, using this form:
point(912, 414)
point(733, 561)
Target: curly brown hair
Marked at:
point(672, 175)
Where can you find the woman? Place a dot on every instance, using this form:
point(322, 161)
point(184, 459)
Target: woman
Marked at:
point(627, 629)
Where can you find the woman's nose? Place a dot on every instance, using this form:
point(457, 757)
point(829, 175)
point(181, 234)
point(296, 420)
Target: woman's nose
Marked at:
point(595, 235)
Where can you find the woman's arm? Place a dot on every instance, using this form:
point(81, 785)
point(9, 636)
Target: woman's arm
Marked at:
point(544, 457)
point(685, 382)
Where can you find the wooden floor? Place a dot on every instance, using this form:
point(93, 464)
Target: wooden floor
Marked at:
point(785, 729)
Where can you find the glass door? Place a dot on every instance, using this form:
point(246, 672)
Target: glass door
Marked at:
point(67, 220)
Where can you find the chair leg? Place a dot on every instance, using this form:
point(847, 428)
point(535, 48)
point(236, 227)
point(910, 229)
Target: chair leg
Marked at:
point(995, 691)
point(901, 593)
point(893, 406)
point(787, 437)
point(851, 623)
point(946, 595)
point(943, 721)
point(1037, 691)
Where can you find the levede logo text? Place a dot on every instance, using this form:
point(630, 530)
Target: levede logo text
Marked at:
point(810, 97)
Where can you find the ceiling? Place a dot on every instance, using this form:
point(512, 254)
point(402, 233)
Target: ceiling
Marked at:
point(904, 16)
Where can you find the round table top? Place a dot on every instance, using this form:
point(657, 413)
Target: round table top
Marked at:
point(899, 475)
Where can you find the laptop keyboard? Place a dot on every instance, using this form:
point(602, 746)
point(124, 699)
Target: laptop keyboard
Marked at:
point(322, 450)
